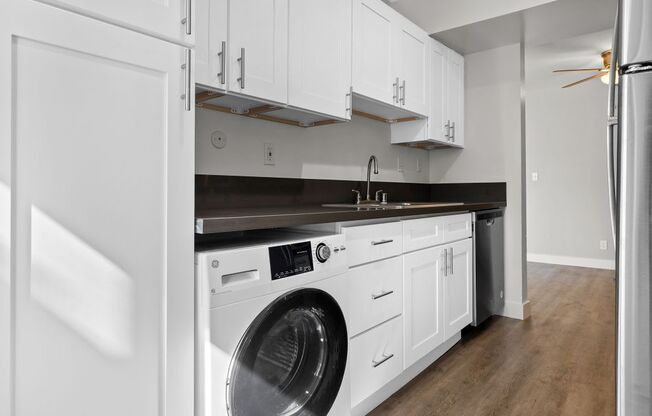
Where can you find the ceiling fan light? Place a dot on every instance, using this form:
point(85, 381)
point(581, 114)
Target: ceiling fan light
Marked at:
point(605, 79)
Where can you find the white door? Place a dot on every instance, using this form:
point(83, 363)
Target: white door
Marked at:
point(258, 49)
point(423, 320)
point(97, 158)
point(456, 97)
point(458, 286)
point(437, 129)
point(412, 55)
point(320, 56)
point(211, 47)
point(169, 19)
point(374, 66)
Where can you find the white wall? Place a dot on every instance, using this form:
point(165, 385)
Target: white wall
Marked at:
point(568, 211)
point(494, 153)
point(339, 151)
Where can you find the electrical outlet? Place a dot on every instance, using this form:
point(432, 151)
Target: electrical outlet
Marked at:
point(399, 164)
point(270, 156)
point(535, 176)
point(603, 244)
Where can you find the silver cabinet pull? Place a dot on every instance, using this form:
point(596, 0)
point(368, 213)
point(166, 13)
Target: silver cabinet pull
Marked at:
point(349, 101)
point(382, 294)
point(241, 60)
point(187, 72)
point(453, 131)
point(445, 262)
point(377, 243)
point(452, 271)
point(222, 55)
point(384, 359)
point(447, 126)
point(395, 85)
point(403, 92)
point(187, 20)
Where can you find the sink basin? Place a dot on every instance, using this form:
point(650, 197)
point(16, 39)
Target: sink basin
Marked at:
point(394, 205)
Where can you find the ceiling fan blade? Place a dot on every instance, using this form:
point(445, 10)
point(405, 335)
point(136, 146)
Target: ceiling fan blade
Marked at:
point(584, 80)
point(578, 70)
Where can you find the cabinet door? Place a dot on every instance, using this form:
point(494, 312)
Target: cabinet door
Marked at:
point(101, 151)
point(422, 301)
point(170, 19)
point(458, 286)
point(437, 129)
point(374, 67)
point(258, 50)
point(456, 97)
point(412, 55)
point(211, 50)
point(320, 56)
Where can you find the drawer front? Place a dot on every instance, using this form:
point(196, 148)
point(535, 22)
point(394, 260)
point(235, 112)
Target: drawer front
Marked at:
point(366, 243)
point(456, 227)
point(375, 293)
point(376, 358)
point(422, 233)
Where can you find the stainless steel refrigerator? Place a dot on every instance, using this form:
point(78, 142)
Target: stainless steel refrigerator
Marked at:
point(630, 163)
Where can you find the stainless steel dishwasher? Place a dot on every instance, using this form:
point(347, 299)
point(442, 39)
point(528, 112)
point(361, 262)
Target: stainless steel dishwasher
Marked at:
point(489, 270)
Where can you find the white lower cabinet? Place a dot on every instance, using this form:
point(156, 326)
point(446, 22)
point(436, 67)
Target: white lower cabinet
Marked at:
point(423, 297)
point(376, 358)
point(458, 284)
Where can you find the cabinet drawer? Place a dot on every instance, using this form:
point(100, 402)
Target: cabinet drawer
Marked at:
point(456, 227)
point(375, 293)
point(373, 242)
point(422, 233)
point(376, 358)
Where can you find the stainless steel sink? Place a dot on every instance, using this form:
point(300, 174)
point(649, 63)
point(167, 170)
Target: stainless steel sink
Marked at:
point(393, 205)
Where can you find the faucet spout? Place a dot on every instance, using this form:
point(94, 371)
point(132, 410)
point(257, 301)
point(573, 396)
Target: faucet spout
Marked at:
point(372, 160)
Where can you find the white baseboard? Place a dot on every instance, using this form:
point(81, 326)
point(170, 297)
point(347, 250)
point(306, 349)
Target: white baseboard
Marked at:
point(516, 310)
point(572, 261)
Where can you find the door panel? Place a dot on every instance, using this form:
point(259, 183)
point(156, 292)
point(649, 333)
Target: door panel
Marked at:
point(458, 282)
point(266, 48)
point(210, 58)
point(103, 152)
point(413, 59)
point(422, 303)
point(320, 56)
point(456, 97)
point(438, 92)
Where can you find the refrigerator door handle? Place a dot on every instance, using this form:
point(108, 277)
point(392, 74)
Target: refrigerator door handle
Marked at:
point(612, 128)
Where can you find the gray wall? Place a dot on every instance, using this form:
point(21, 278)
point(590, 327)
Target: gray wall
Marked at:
point(568, 212)
point(493, 152)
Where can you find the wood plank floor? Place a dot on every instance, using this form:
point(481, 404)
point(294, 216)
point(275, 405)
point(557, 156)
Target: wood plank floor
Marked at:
point(558, 362)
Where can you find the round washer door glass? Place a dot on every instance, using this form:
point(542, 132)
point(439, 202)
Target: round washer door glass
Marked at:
point(291, 359)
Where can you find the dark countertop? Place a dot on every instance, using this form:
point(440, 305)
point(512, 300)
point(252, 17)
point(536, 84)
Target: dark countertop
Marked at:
point(223, 220)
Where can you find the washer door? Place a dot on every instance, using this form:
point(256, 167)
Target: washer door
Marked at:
point(291, 359)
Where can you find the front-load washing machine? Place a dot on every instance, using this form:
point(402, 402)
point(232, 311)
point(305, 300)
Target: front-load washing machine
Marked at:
point(272, 326)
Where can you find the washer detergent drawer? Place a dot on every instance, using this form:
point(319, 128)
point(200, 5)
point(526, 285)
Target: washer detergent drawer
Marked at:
point(367, 243)
point(375, 293)
point(376, 357)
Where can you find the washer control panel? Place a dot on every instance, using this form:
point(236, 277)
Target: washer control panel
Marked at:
point(291, 259)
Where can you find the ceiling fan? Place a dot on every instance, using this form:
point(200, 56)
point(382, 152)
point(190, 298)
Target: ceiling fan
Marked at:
point(603, 73)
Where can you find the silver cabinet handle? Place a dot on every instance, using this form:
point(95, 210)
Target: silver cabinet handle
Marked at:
point(382, 294)
point(349, 101)
point(384, 359)
point(452, 271)
point(187, 72)
point(447, 126)
point(241, 60)
point(187, 20)
point(445, 262)
point(403, 92)
point(395, 85)
point(377, 243)
point(222, 55)
point(453, 131)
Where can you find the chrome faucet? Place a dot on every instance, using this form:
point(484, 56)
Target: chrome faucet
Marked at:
point(373, 160)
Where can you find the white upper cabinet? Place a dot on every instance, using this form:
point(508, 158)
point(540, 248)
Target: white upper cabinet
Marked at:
point(438, 92)
point(170, 19)
point(258, 49)
point(423, 297)
point(102, 149)
point(458, 281)
point(455, 101)
point(374, 61)
point(211, 55)
point(320, 56)
point(412, 63)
